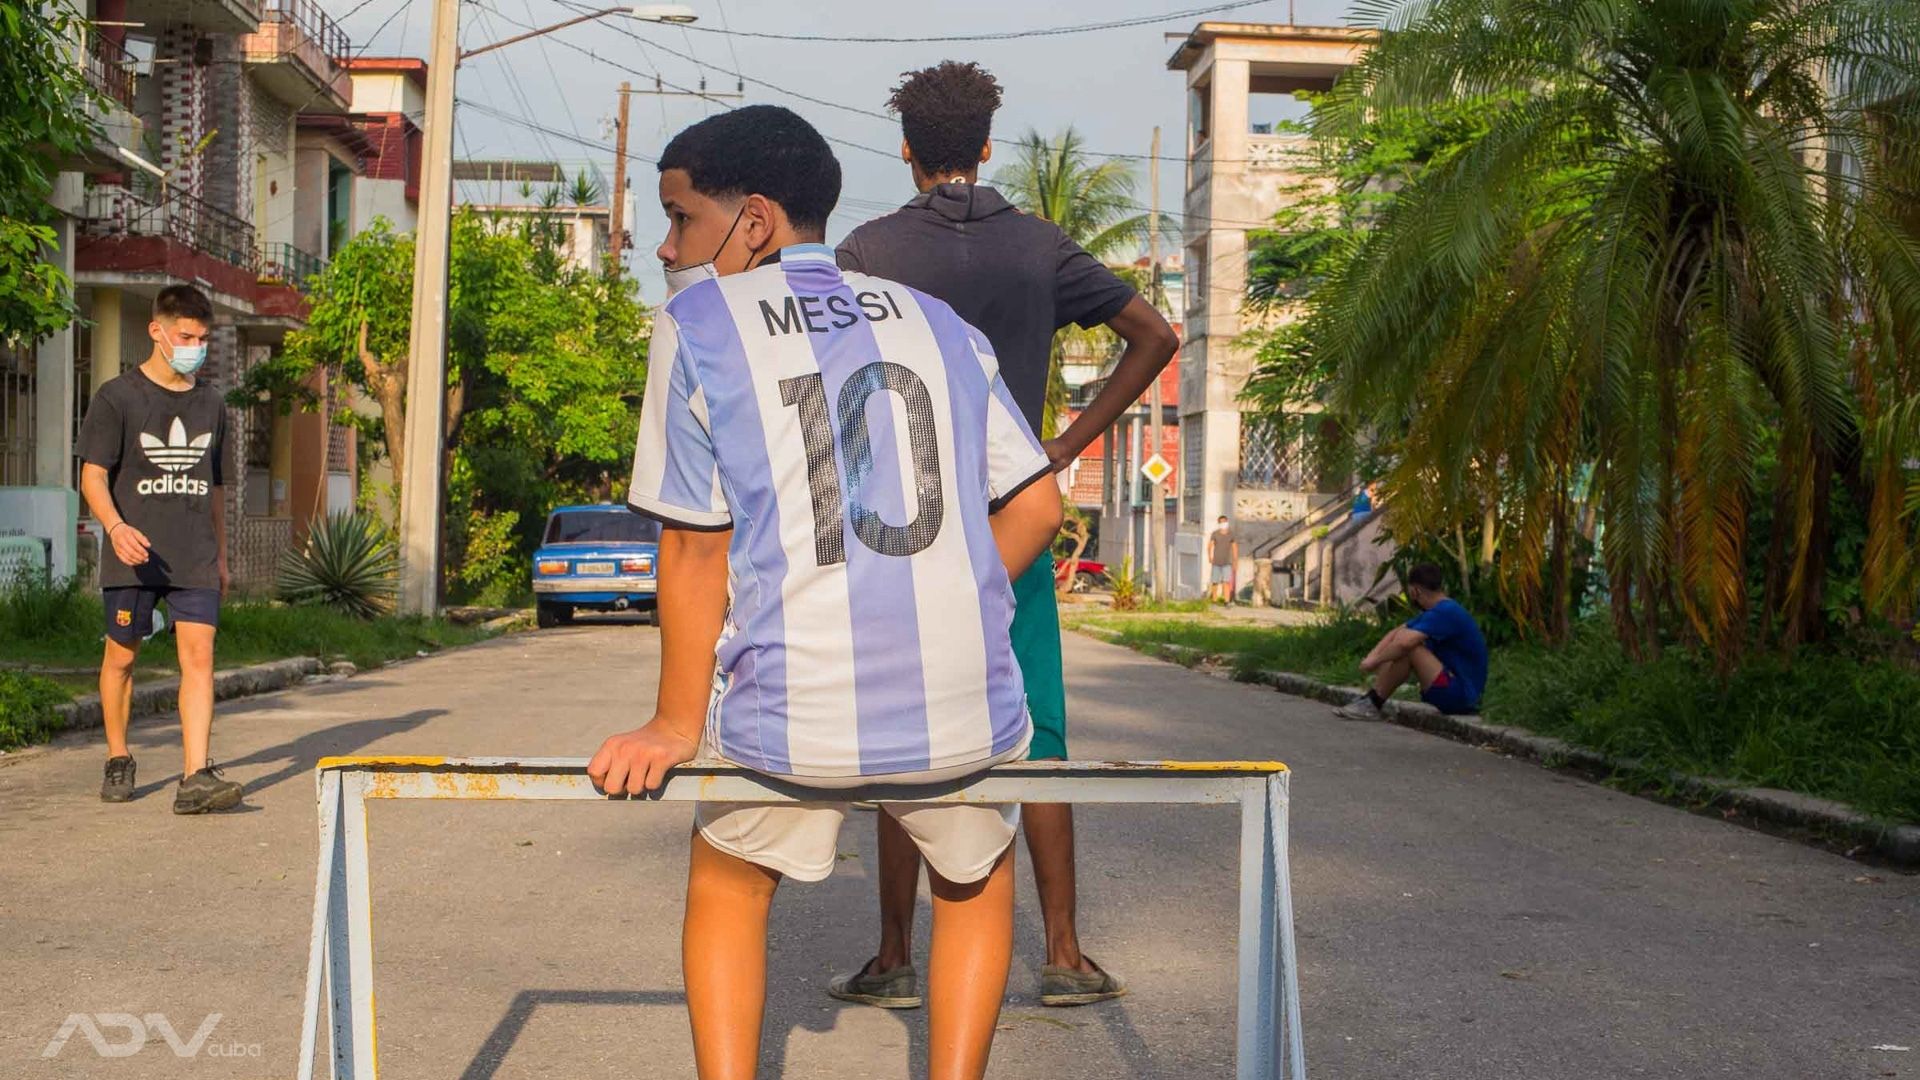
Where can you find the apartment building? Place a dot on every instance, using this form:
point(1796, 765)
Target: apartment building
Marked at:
point(226, 159)
point(1242, 169)
point(389, 99)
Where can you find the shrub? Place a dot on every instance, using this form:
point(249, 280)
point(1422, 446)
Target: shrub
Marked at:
point(26, 709)
point(346, 564)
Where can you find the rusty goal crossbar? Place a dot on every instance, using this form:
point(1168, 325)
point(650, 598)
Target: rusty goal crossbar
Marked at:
point(340, 955)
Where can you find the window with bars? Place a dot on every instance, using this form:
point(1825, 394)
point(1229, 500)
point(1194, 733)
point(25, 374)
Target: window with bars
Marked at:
point(1193, 469)
point(1269, 459)
point(259, 439)
point(18, 398)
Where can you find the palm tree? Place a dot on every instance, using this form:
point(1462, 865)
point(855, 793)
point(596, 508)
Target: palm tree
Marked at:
point(1670, 277)
point(1093, 203)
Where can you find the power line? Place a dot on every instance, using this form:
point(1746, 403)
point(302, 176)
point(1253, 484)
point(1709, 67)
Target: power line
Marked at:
point(1005, 35)
point(889, 154)
point(857, 110)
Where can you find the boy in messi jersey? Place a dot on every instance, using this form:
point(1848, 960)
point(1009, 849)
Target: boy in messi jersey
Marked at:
point(845, 484)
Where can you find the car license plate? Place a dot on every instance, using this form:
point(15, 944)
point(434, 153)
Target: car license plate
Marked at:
point(603, 568)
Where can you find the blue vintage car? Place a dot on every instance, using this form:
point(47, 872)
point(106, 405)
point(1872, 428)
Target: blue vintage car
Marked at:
point(599, 557)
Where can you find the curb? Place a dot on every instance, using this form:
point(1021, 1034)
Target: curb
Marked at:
point(164, 695)
point(1898, 844)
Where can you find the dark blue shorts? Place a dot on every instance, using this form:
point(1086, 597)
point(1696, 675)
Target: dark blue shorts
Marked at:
point(1449, 694)
point(130, 609)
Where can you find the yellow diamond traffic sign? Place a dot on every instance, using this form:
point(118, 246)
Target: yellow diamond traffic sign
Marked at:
point(1156, 469)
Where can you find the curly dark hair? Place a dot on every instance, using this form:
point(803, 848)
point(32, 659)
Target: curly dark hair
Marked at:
point(946, 113)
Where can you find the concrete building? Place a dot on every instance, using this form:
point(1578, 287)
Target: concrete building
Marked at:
point(388, 94)
point(226, 162)
point(1241, 171)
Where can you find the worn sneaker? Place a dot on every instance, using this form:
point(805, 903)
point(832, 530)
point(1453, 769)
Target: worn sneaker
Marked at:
point(206, 790)
point(1061, 987)
point(895, 989)
point(118, 785)
point(1360, 708)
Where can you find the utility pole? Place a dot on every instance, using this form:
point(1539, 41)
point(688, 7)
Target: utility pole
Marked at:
point(426, 427)
point(1156, 510)
point(425, 440)
point(617, 227)
point(617, 239)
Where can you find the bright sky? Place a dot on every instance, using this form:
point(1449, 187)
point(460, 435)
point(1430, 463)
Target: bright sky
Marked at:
point(1111, 85)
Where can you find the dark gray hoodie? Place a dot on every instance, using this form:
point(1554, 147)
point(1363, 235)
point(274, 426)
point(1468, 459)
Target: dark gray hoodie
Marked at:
point(1015, 277)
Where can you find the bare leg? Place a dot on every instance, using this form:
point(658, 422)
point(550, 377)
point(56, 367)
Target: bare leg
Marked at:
point(899, 881)
point(723, 956)
point(967, 976)
point(195, 642)
point(116, 694)
point(1420, 663)
point(1049, 828)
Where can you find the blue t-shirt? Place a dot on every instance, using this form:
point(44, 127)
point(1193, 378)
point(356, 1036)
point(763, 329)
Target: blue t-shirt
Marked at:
point(1455, 639)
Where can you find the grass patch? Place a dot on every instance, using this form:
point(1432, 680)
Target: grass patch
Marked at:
point(1834, 723)
point(1825, 723)
point(1329, 651)
point(61, 627)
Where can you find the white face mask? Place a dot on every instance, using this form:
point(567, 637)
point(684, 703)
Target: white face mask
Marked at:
point(681, 277)
point(185, 359)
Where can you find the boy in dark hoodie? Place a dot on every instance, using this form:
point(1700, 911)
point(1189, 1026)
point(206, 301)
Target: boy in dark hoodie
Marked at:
point(1018, 278)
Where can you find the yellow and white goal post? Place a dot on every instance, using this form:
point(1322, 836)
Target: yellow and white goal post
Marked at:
point(340, 954)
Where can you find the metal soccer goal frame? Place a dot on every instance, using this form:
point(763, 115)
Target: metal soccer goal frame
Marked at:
point(340, 954)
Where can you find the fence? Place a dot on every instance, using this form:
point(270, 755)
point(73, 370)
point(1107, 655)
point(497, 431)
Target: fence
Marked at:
point(109, 67)
point(284, 263)
point(328, 44)
point(340, 953)
point(154, 208)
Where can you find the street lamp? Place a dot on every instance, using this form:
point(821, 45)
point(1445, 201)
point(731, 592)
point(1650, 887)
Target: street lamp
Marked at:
point(424, 446)
point(679, 14)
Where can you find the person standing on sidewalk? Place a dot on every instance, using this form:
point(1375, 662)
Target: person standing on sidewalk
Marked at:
point(1223, 556)
point(1019, 279)
point(153, 449)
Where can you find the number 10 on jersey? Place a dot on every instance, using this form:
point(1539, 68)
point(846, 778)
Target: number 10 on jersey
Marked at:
point(832, 507)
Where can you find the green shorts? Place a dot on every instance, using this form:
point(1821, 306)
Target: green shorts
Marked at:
point(1036, 646)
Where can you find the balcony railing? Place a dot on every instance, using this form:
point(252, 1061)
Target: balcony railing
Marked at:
point(288, 265)
point(314, 25)
point(109, 68)
point(154, 208)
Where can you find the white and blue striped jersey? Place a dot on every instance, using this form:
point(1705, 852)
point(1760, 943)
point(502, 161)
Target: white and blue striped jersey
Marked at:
point(855, 435)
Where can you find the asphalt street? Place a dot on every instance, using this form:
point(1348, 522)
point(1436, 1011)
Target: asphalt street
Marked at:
point(1461, 914)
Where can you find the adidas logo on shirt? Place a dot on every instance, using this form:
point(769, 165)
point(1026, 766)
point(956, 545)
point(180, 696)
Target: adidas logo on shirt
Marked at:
point(175, 457)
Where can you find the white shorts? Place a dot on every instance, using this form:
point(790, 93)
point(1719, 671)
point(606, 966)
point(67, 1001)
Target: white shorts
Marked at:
point(961, 841)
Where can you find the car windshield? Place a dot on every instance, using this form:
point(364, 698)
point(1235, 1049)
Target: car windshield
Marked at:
point(600, 527)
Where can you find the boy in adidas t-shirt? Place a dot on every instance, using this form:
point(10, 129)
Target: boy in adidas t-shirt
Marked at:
point(845, 482)
point(153, 448)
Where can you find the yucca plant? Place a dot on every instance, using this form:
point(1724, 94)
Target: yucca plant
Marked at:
point(346, 564)
point(1125, 583)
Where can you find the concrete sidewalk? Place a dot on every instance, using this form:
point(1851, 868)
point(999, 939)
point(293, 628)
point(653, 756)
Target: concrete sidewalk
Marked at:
point(1461, 915)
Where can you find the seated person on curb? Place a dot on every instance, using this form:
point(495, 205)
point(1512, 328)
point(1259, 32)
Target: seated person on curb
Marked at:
point(847, 488)
point(1442, 646)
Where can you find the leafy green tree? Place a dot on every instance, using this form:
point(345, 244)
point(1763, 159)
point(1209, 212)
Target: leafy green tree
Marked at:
point(1676, 275)
point(1092, 201)
point(546, 364)
point(46, 113)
